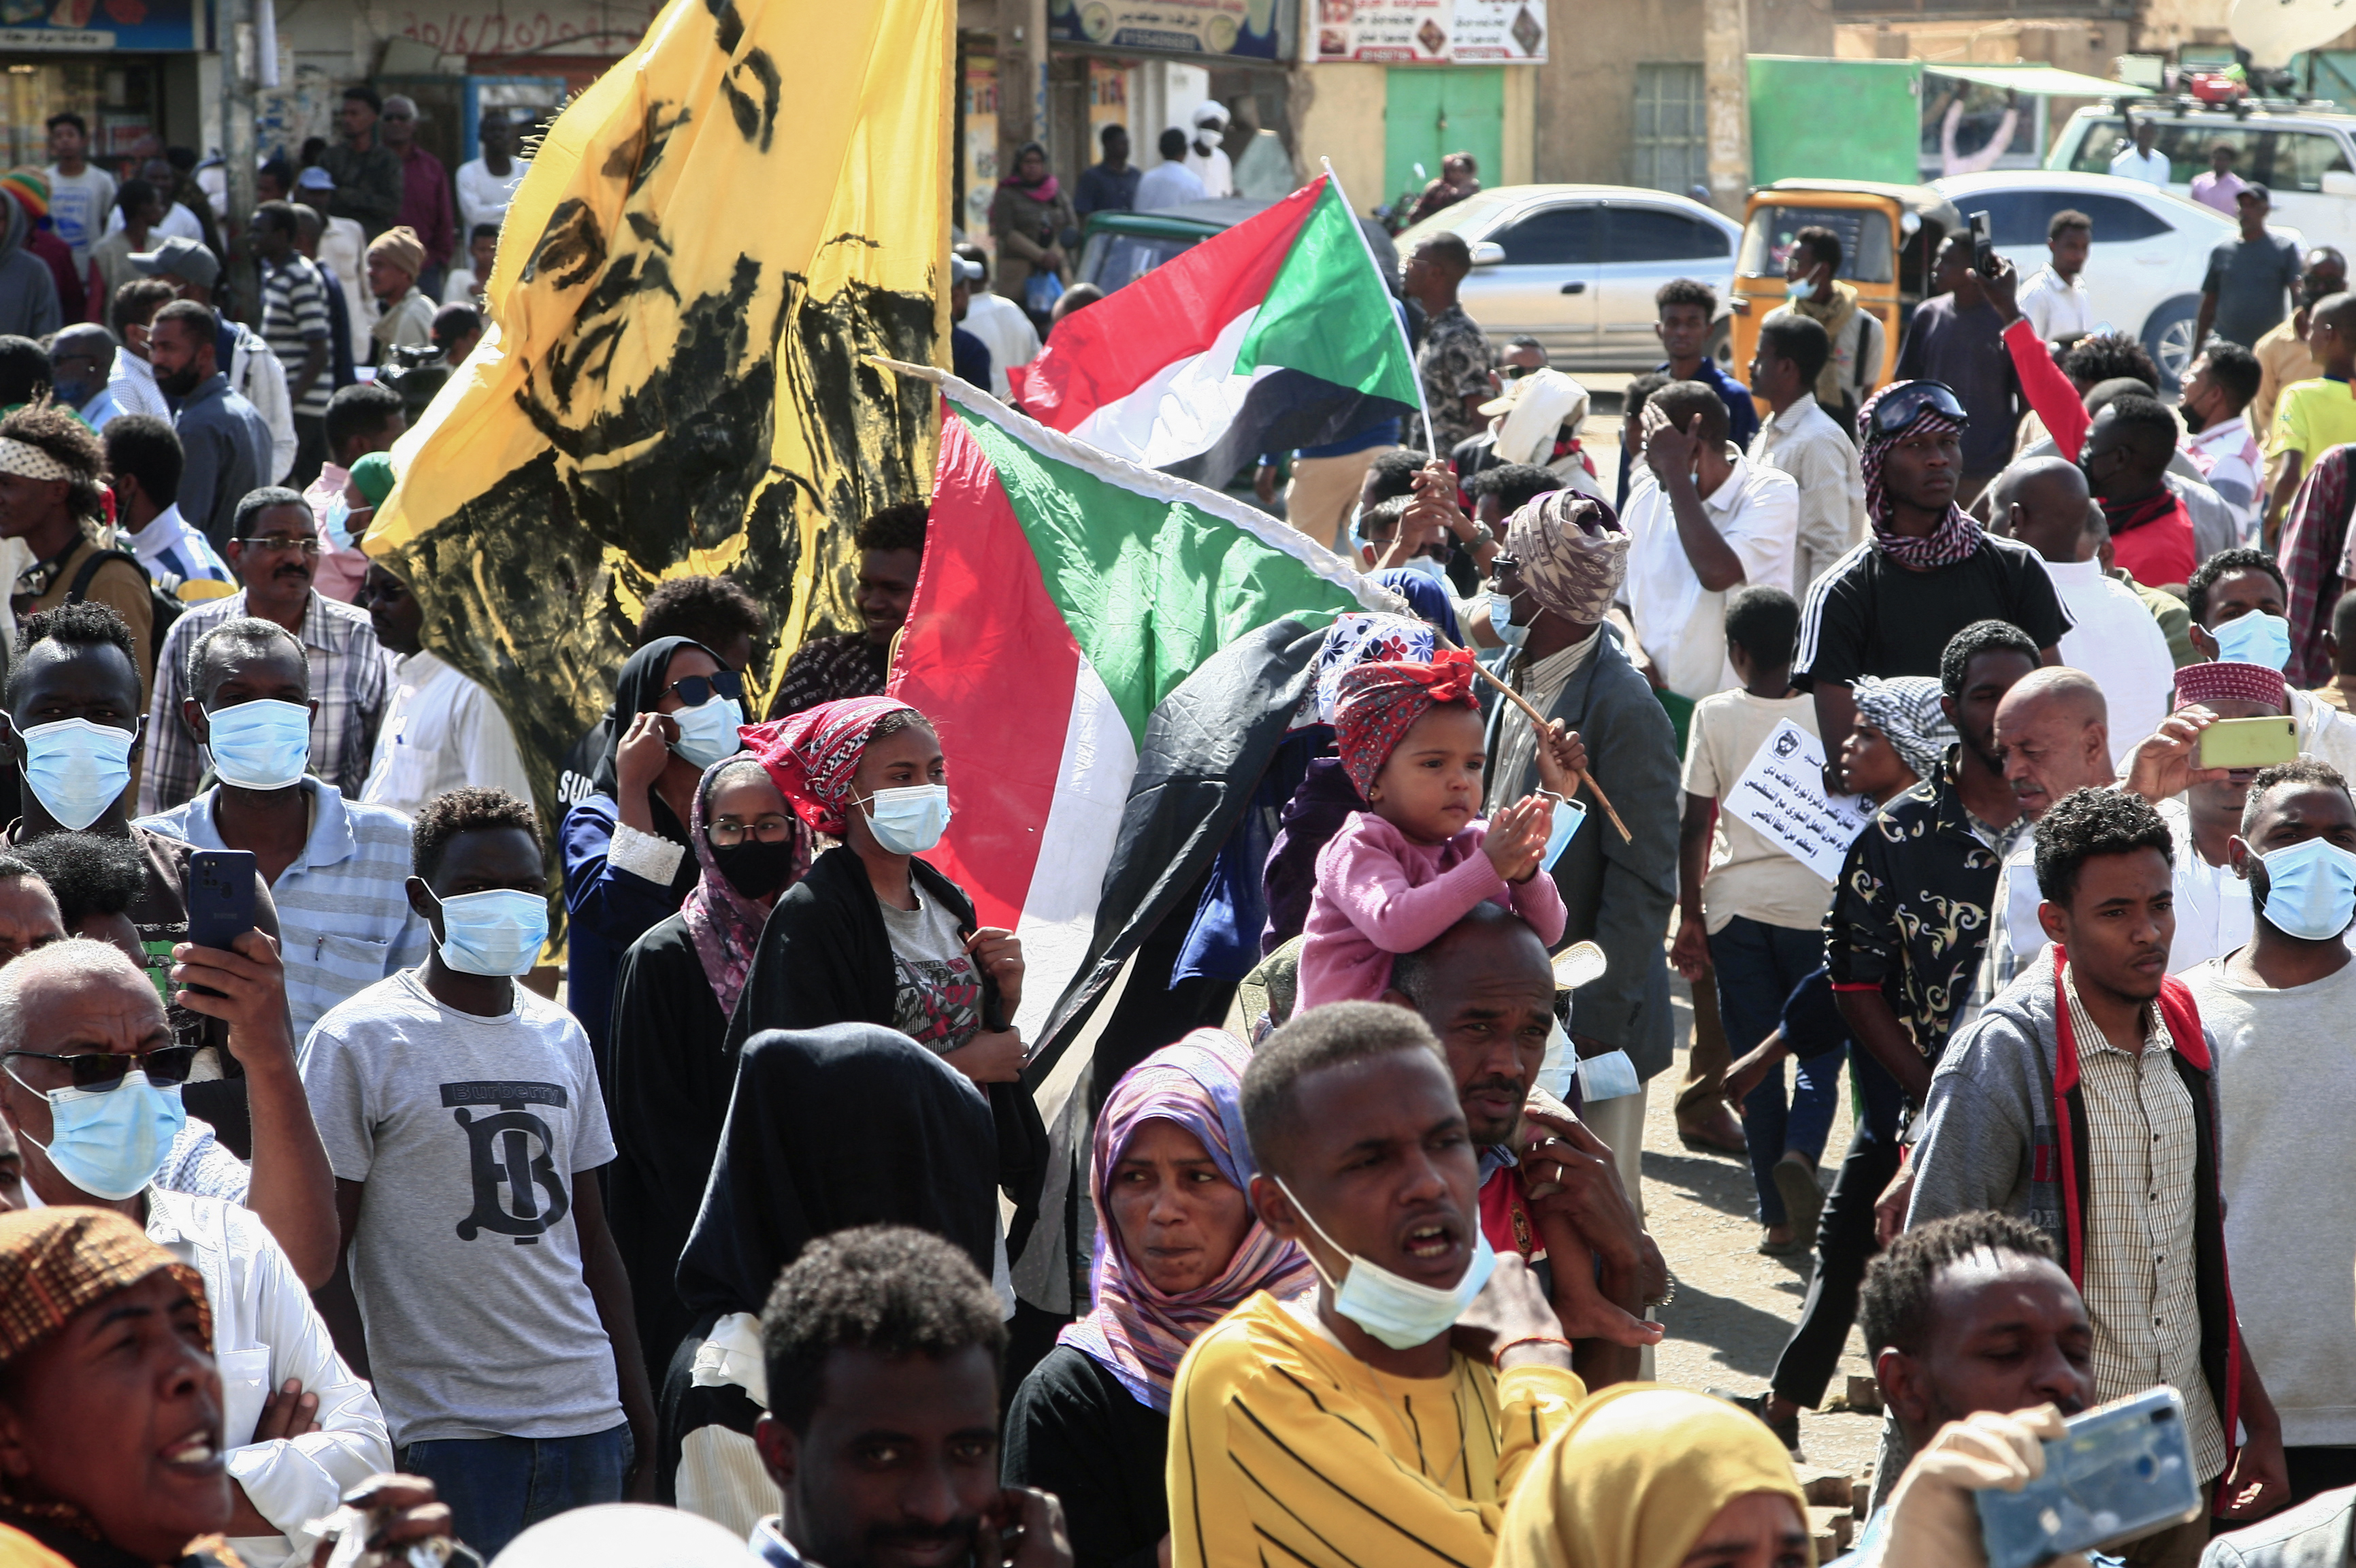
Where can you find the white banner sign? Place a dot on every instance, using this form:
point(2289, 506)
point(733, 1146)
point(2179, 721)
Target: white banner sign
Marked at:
point(1431, 32)
point(1782, 794)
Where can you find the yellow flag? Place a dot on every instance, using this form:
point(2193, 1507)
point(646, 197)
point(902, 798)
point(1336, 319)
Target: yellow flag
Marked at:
point(711, 246)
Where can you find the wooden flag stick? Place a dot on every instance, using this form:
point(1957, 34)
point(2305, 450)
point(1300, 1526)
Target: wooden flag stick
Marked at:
point(1544, 726)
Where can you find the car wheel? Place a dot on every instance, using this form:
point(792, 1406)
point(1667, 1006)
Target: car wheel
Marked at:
point(1721, 348)
point(2167, 338)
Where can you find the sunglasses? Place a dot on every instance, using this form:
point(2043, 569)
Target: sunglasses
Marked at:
point(1900, 409)
point(102, 1071)
point(695, 690)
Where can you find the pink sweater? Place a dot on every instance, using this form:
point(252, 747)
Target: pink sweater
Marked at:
point(1378, 894)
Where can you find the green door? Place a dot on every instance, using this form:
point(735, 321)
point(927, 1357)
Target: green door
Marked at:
point(1431, 110)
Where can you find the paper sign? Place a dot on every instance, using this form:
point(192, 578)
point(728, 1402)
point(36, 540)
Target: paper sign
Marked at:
point(1782, 794)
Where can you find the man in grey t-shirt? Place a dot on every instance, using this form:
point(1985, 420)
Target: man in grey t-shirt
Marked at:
point(462, 1117)
point(2247, 292)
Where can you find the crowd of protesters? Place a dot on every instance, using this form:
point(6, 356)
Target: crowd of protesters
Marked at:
point(358, 1232)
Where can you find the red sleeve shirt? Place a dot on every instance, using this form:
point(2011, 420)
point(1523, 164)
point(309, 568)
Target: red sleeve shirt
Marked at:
point(2159, 552)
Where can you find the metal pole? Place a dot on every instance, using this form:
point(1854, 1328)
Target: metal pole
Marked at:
point(241, 67)
point(1726, 89)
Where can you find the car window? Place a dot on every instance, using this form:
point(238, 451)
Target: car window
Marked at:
point(2019, 216)
point(1650, 234)
point(2188, 143)
point(2117, 221)
point(2015, 216)
point(2299, 159)
point(1555, 237)
point(1864, 233)
point(1114, 259)
point(2184, 142)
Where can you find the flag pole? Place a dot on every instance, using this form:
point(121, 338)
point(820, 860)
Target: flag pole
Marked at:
point(1399, 318)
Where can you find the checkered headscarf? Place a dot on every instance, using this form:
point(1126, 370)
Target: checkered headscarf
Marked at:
point(1906, 709)
point(55, 1261)
point(1376, 703)
point(1956, 537)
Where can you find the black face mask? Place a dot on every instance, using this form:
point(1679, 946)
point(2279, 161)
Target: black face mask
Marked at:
point(755, 869)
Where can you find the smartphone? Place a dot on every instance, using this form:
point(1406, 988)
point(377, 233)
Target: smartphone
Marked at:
point(2124, 1470)
point(1982, 245)
point(220, 897)
point(2250, 743)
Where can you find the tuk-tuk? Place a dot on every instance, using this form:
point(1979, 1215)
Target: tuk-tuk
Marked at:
point(1888, 234)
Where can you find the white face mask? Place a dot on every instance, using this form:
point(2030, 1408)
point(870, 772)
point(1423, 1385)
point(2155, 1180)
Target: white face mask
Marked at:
point(1399, 1312)
point(1427, 565)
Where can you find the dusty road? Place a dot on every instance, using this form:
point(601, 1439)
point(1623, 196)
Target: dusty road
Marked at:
point(1734, 1308)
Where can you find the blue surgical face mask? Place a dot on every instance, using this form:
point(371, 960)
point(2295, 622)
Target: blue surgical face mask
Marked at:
point(339, 521)
point(1428, 566)
point(708, 732)
point(77, 769)
point(1611, 1076)
point(1397, 1311)
point(909, 820)
point(2254, 638)
point(261, 744)
point(497, 932)
point(1501, 620)
point(2310, 889)
point(110, 1143)
point(1568, 815)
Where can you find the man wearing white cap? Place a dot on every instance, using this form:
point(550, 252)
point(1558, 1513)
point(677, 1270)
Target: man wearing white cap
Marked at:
point(1203, 155)
point(1536, 421)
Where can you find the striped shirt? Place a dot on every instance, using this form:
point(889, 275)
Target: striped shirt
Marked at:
point(295, 317)
point(1286, 1448)
point(2141, 1278)
point(181, 561)
point(351, 680)
point(344, 919)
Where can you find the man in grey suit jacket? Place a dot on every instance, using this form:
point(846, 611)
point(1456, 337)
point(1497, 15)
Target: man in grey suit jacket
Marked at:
point(1562, 566)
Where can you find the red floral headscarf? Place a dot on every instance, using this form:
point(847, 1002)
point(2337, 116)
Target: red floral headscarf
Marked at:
point(1375, 704)
point(812, 755)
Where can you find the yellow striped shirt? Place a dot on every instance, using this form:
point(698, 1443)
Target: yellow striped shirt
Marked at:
point(1285, 1448)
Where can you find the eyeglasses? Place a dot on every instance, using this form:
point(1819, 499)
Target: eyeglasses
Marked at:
point(273, 546)
point(102, 1071)
point(726, 834)
point(694, 690)
point(1901, 408)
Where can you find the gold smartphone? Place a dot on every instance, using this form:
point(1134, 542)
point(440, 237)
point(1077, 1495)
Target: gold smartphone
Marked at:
point(2250, 743)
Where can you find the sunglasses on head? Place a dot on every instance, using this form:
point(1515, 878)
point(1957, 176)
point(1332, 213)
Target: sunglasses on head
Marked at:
point(1901, 408)
point(694, 690)
point(102, 1071)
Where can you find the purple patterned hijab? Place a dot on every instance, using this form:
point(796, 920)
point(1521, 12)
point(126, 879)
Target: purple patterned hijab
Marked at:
point(1138, 1333)
point(725, 925)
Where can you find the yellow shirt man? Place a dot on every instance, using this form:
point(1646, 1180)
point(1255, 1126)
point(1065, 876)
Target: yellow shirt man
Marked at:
point(2283, 359)
point(1284, 1447)
point(2313, 417)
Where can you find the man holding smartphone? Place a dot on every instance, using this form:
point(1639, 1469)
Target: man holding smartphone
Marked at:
point(2094, 1077)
